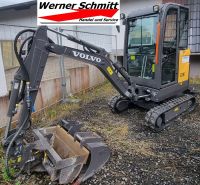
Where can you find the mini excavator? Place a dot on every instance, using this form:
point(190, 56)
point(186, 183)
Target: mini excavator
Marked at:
point(154, 76)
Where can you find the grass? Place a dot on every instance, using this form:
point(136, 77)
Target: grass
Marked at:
point(59, 111)
point(194, 80)
point(117, 137)
point(54, 114)
point(4, 177)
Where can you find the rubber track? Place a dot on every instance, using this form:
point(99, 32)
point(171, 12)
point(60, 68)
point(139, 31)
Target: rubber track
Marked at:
point(113, 103)
point(153, 114)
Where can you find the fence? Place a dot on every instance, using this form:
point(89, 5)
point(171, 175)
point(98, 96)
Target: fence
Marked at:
point(62, 76)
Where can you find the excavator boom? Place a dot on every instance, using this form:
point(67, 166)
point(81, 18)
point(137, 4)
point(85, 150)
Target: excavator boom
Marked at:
point(84, 152)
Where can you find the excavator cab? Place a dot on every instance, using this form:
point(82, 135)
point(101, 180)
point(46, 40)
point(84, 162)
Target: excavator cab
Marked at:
point(156, 53)
point(157, 61)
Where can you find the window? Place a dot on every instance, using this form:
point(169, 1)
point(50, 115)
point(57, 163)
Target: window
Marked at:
point(183, 29)
point(142, 31)
point(141, 46)
point(171, 28)
point(170, 47)
point(134, 38)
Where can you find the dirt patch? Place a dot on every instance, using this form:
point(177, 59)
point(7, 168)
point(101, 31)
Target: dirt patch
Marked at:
point(139, 156)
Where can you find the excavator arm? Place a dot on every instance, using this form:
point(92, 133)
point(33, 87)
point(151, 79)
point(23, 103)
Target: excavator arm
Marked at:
point(98, 57)
point(32, 67)
point(91, 153)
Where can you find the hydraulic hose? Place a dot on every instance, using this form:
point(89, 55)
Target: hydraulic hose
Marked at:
point(81, 42)
point(24, 42)
point(18, 54)
point(21, 94)
point(20, 97)
point(8, 151)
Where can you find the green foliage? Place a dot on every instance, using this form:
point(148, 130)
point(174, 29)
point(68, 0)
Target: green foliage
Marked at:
point(52, 114)
point(17, 183)
point(194, 80)
point(5, 174)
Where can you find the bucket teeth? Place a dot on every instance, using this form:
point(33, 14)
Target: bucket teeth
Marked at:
point(70, 154)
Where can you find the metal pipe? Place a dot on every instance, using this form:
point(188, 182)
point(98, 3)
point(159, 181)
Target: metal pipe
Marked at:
point(116, 47)
point(81, 42)
point(62, 69)
point(94, 33)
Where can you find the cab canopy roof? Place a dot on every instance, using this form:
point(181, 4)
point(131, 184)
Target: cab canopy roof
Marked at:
point(150, 10)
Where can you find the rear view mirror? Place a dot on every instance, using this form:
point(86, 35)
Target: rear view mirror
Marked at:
point(118, 29)
point(122, 16)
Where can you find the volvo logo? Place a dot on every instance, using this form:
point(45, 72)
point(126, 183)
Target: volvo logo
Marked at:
point(86, 56)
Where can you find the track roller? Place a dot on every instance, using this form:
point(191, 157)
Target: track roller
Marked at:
point(119, 104)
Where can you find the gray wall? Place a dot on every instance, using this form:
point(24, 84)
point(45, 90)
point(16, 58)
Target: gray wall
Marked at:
point(195, 66)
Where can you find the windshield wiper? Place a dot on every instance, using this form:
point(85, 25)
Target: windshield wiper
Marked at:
point(131, 47)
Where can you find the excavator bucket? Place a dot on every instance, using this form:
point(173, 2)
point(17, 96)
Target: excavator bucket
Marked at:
point(68, 154)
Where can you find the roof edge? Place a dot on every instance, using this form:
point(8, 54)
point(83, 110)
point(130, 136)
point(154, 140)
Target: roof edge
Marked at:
point(20, 6)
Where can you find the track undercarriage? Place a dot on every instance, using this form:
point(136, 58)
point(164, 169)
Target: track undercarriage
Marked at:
point(159, 116)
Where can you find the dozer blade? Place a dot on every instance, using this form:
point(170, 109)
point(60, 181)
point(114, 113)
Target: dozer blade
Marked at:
point(70, 155)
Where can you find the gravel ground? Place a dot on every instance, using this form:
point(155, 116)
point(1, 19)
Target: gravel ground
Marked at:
point(139, 156)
